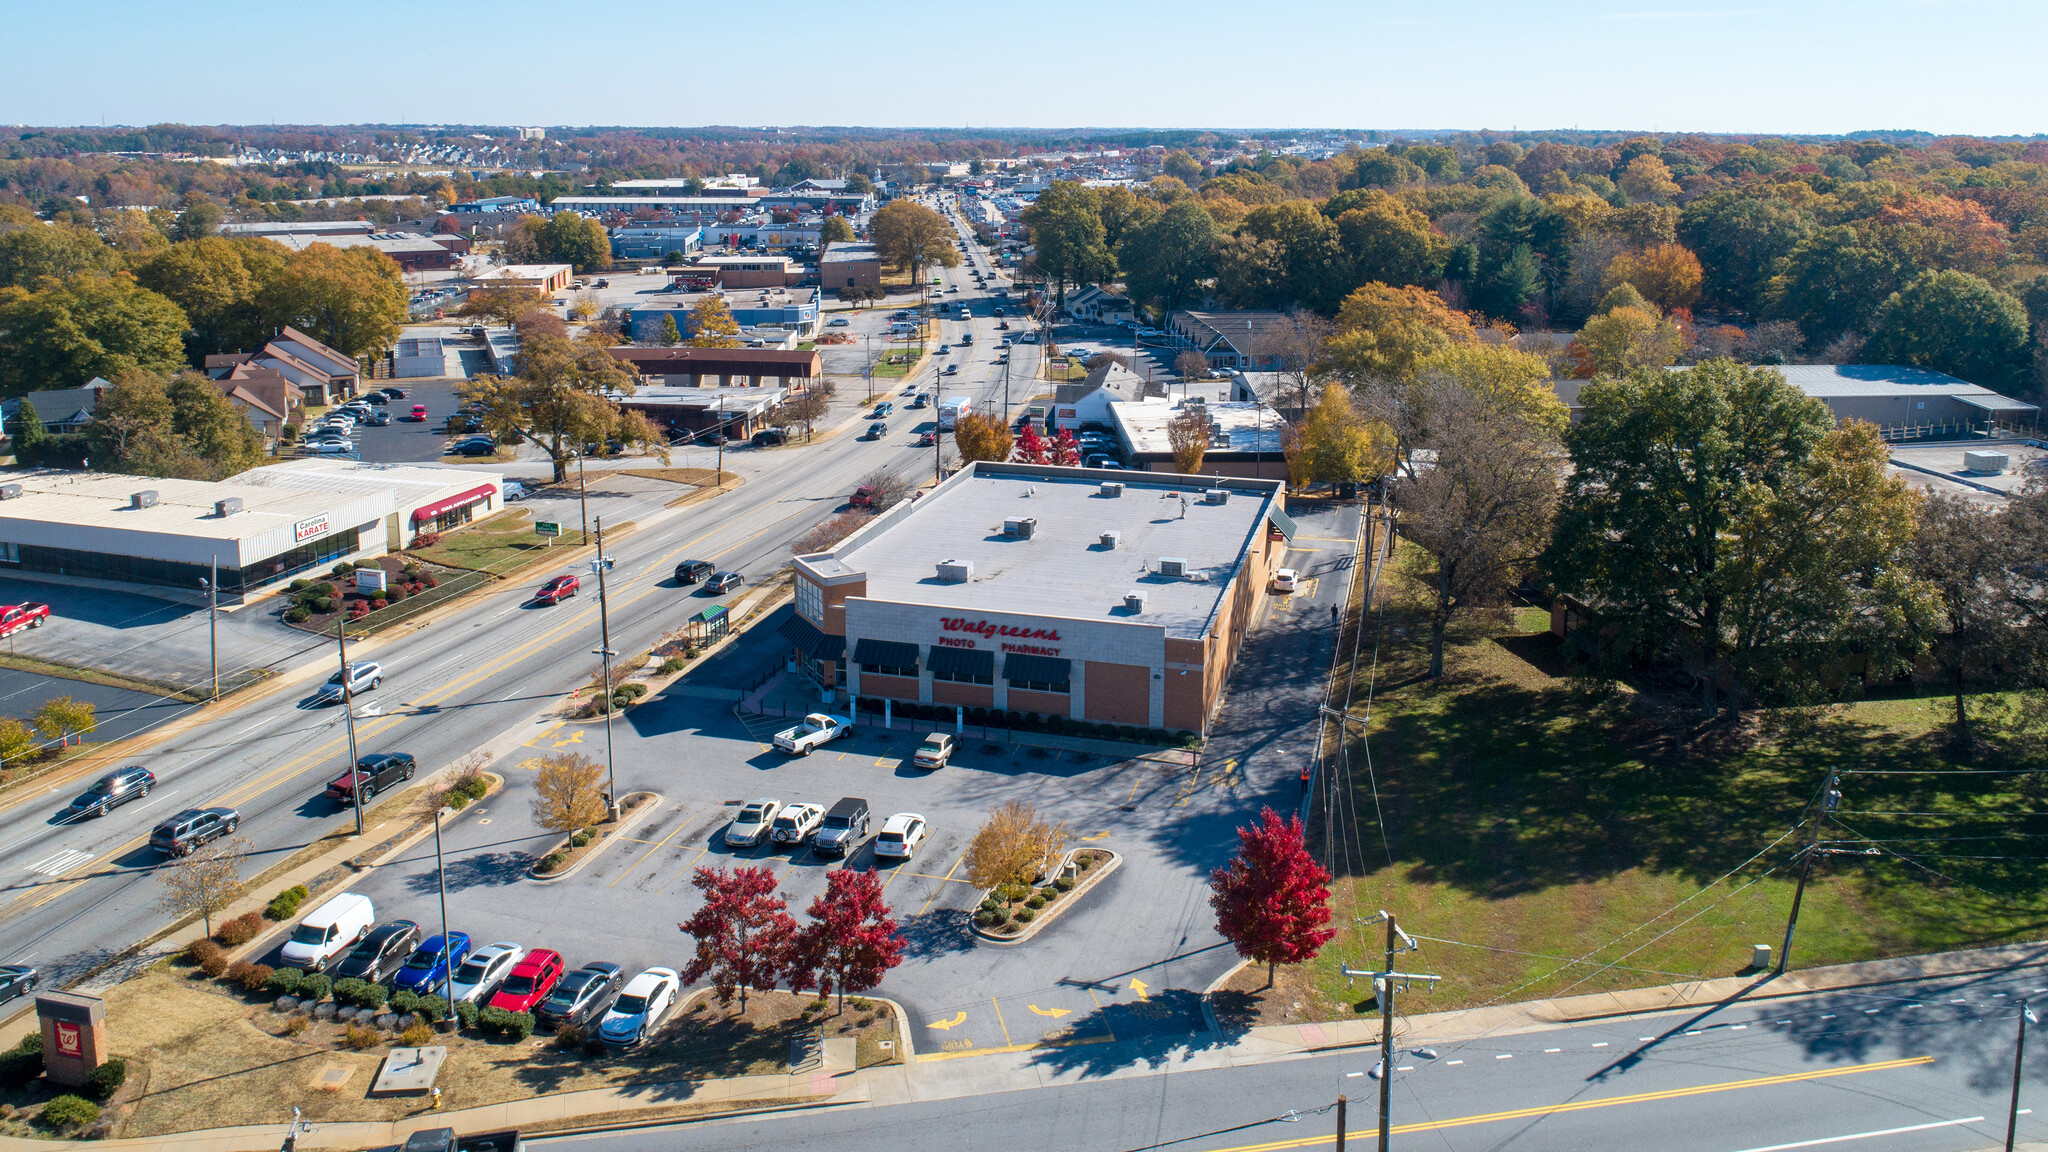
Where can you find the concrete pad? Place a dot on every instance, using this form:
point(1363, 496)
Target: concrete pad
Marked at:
point(840, 1054)
point(409, 1071)
point(331, 1078)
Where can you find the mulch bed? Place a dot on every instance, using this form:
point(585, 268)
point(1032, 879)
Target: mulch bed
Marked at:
point(1244, 1001)
point(600, 834)
point(394, 567)
point(1006, 917)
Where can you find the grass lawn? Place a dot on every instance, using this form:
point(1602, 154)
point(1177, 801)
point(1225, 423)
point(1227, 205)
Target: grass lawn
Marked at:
point(499, 544)
point(1536, 822)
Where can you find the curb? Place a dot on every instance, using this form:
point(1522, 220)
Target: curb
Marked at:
point(662, 681)
point(618, 834)
point(1095, 875)
point(906, 1049)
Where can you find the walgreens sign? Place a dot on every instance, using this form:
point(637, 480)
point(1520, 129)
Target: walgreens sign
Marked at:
point(989, 629)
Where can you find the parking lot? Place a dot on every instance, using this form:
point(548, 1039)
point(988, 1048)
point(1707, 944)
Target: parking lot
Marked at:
point(1127, 960)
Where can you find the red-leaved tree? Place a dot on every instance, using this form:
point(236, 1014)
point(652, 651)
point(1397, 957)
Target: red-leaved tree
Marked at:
point(1031, 447)
point(850, 942)
point(743, 935)
point(1066, 451)
point(1272, 900)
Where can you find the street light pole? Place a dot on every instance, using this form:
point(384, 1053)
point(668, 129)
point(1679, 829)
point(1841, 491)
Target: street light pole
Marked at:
point(348, 716)
point(583, 497)
point(605, 652)
point(2019, 1054)
point(448, 965)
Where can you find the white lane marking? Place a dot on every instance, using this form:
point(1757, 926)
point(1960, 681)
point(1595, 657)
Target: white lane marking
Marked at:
point(1450, 1062)
point(1872, 1011)
point(1404, 1067)
point(1505, 1056)
point(1601, 1044)
point(1693, 1032)
point(1738, 1028)
point(1553, 1049)
point(1829, 1016)
point(1959, 1001)
point(1866, 1135)
point(168, 793)
point(1646, 1039)
point(1353, 1075)
point(59, 863)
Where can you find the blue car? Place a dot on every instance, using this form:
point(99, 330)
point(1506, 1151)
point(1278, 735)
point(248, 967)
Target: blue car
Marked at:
point(426, 968)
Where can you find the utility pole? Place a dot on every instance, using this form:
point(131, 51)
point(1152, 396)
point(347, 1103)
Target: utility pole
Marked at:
point(348, 716)
point(1383, 983)
point(2019, 1055)
point(448, 967)
point(583, 497)
point(213, 624)
point(1342, 1108)
point(1830, 799)
point(600, 565)
point(717, 478)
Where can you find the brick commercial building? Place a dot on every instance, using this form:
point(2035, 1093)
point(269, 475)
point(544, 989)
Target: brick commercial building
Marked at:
point(1088, 594)
point(850, 266)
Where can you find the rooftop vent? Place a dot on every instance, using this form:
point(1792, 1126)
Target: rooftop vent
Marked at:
point(1216, 496)
point(1986, 463)
point(956, 571)
point(227, 507)
point(1109, 540)
point(1134, 602)
point(143, 499)
point(1021, 527)
point(1219, 438)
point(1175, 566)
point(10, 491)
point(1112, 488)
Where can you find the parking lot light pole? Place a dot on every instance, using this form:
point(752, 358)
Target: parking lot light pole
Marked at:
point(212, 587)
point(604, 652)
point(348, 719)
point(447, 964)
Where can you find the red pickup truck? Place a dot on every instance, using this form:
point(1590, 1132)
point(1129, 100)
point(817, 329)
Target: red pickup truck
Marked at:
point(15, 617)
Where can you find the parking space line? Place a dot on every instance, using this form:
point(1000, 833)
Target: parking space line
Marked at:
point(686, 870)
point(629, 870)
point(942, 883)
point(999, 1020)
point(1101, 1015)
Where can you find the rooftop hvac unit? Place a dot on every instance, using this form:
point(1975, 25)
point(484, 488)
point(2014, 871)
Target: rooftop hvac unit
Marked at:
point(1112, 488)
point(1175, 566)
point(1216, 496)
point(956, 571)
point(1134, 601)
point(1109, 540)
point(1986, 463)
point(10, 491)
point(1219, 438)
point(143, 499)
point(227, 507)
point(1020, 526)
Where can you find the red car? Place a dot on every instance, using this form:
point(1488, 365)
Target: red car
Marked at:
point(531, 980)
point(927, 439)
point(863, 497)
point(15, 617)
point(557, 590)
point(419, 413)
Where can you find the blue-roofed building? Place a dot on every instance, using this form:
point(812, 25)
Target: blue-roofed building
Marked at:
point(499, 204)
point(768, 313)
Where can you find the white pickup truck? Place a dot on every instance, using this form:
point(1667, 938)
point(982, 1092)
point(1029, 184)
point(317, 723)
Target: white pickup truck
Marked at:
point(817, 728)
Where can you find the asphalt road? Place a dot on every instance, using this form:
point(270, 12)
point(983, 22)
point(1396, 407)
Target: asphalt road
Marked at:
point(1918, 1066)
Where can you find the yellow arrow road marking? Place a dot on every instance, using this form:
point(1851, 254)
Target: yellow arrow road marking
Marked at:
point(1055, 1013)
point(1096, 836)
point(945, 1024)
point(1139, 987)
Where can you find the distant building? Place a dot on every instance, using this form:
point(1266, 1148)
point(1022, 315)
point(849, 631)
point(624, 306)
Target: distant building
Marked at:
point(58, 410)
point(499, 204)
point(850, 265)
point(1098, 306)
point(770, 314)
point(322, 374)
point(1228, 339)
point(1087, 402)
point(1903, 402)
point(426, 356)
point(278, 229)
point(550, 278)
point(653, 241)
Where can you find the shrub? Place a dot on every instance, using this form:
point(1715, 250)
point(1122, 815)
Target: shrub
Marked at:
point(359, 1038)
point(621, 698)
point(238, 972)
point(474, 786)
point(300, 585)
point(569, 1037)
point(285, 982)
point(296, 1023)
point(379, 603)
point(552, 861)
point(323, 604)
point(108, 1077)
point(465, 1011)
point(674, 664)
point(417, 1035)
point(359, 993)
point(1011, 893)
point(395, 593)
point(1036, 902)
point(1026, 915)
point(991, 904)
point(517, 1025)
point(342, 569)
point(240, 930)
point(67, 1112)
point(1064, 884)
point(433, 1007)
point(426, 540)
point(362, 564)
point(635, 690)
point(20, 1065)
point(405, 1000)
point(297, 616)
point(285, 904)
point(316, 986)
point(431, 581)
point(257, 978)
point(580, 839)
point(211, 958)
point(991, 917)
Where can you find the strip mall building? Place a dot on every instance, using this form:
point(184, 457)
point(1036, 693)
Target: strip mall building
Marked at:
point(1105, 596)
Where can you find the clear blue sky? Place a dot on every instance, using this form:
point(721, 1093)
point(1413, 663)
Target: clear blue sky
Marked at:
point(1961, 66)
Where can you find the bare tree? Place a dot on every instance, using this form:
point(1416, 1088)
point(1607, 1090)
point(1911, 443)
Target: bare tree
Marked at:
point(1187, 434)
point(1293, 350)
point(1191, 365)
point(884, 488)
point(831, 531)
point(1482, 510)
point(205, 882)
point(568, 792)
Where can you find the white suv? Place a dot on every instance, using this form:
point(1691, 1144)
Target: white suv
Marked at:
point(900, 836)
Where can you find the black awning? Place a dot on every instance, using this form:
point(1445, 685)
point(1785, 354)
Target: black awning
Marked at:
point(885, 654)
point(802, 633)
point(1019, 666)
point(962, 662)
point(834, 648)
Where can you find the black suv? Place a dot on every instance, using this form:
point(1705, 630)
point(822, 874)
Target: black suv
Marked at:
point(691, 571)
point(113, 790)
point(180, 834)
point(381, 953)
point(770, 436)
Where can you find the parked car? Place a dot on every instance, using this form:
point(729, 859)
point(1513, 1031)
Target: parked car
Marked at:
point(15, 617)
point(816, 730)
point(360, 676)
point(328, 931)
point(475, 447)
point(753, 822)
point(640, 1009)
point(418, 414)
point(724, 582)
point(113, 790)
point(328, 448)
point(838, 322)
point(797, 823)
point(378, 419)
point(189, 829)
point(374, 773)
point(691, 571)
point(432, 961)
point(531, 979)
point(1285, 579)
point(581, 996)
point(768, 437)
point(382, 953)
point(394, 393)
point(900, 836)
point(842, 827)
point(935, 751)
point(513, 490)
point(479, 975)
point(557, 590)
point(16, 980)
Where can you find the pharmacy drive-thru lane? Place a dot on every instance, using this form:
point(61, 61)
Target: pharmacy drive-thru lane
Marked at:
point(1923, 1066)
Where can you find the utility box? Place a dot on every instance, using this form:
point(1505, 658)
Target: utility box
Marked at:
point(1759, 957)
point(1986, 463)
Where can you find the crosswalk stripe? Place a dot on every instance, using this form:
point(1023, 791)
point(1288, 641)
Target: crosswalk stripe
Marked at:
point(60, 863)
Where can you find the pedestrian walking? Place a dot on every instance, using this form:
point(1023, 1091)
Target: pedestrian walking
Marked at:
point(1333, 613)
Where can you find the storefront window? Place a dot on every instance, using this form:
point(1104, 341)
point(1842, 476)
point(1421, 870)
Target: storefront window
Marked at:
point(963, 677)
point(891, 669)
point(810, 601)
point(177, 574)
point(1043, 685)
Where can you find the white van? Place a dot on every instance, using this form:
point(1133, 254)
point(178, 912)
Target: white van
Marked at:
point(328, 931)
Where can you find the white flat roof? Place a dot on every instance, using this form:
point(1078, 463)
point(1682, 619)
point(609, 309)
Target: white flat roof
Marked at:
point(1251, 427)
point(183, 507)
point(410, 485)
point(1062, 570)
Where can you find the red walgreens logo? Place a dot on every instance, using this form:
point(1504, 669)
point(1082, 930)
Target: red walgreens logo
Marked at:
point(988, 628)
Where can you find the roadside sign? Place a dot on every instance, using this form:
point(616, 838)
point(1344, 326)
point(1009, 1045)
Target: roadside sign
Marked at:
point(546, 528)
